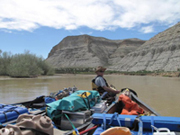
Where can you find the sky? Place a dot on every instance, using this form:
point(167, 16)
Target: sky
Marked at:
point(38, 25)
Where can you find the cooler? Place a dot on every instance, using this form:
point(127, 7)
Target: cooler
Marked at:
point(99, 107)
point(77, 118)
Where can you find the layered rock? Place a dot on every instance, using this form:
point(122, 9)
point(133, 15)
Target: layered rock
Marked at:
point(88, 51)
point(162, 52)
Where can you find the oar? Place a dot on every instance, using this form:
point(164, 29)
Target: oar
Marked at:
point(21, 103)
point(39, 99)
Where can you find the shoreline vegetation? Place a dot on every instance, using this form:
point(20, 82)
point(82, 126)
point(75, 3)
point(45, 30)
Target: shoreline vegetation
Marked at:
point(25, 65)
point(133, 73)
point(28, 65)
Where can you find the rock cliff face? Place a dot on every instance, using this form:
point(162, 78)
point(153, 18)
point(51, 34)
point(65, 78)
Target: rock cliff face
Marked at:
point(88, 51)
point(162, 52)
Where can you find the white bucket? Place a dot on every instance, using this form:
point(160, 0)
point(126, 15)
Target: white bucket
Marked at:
point(162, 131)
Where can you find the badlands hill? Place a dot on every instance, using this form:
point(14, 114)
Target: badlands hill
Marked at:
point(87, 51)
point(162, 52)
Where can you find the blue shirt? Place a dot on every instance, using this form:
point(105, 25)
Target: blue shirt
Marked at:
point(100, 81)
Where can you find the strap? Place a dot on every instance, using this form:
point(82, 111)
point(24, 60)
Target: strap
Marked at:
point(77, 132)
point(115, 116)
point(85, 102)
point(140, 132)
point(88, 105)
point(35, 130)
point(88, 100)
point(135, 126)
point(152, 123)
point(16, 111)
point(57, 116)
point(5, 116)
point(88, 130)
point(104, 94)
point(60, 91)
point(2, 106)
point(118, 120)
point(104, 121)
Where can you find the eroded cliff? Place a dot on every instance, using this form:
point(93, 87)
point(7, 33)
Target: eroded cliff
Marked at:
point(162, 52)
point(88, 51)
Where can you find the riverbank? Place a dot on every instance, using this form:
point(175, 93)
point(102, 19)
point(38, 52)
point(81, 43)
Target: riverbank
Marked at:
point(162, 74)
point(90, 71)
point(139, 73)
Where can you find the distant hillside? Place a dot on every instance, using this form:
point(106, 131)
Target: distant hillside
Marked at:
point(162, 52)
point(87, 51)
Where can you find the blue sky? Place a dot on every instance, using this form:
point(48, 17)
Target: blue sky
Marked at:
point(38, 25)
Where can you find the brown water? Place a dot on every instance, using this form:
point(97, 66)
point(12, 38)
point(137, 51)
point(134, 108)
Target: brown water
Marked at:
point(160, 93)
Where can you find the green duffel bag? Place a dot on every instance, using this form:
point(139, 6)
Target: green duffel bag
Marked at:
point(52, 110)
point(80, 100)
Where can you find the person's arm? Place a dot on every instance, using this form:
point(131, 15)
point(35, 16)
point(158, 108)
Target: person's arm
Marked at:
point(108, 89)
point(100, 82)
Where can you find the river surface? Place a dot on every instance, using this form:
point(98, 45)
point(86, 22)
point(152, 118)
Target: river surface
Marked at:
point(161, 93)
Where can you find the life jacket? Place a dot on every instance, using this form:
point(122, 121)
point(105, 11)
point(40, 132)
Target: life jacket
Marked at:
point(98, 88)
point(130, 108)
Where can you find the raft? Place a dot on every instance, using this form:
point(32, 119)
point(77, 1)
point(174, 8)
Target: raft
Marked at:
point(103, 113)
point(172, 123)
point(80, 119)
point(149, 123)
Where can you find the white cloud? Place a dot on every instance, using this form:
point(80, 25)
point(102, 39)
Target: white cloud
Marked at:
point(88, 33)
point(7, 31)
point(95, 14)
point(147, 29)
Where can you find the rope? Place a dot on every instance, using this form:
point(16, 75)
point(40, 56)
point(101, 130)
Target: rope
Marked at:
point(85, 94)
point(104, 121)
point(140, 132)
point(152, 123)
point(5, 116)
point(115, 115)
point(77, 132)
point(10, 110)
point(85, 131)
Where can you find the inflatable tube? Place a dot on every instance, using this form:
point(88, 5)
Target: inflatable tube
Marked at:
point(172, 123)
point(8, 112)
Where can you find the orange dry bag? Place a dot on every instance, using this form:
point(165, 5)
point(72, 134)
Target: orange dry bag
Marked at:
point(130, 108)
point(117, 131)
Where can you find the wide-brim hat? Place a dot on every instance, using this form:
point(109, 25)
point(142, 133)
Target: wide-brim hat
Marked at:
point(100, 69)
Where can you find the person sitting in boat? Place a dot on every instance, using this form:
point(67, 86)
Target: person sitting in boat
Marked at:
point(100, 84)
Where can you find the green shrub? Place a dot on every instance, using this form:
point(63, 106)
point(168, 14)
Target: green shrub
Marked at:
point(23, 65)
point(5, 59)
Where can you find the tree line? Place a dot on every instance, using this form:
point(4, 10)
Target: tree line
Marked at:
point(71, 70)
point(23, 65)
